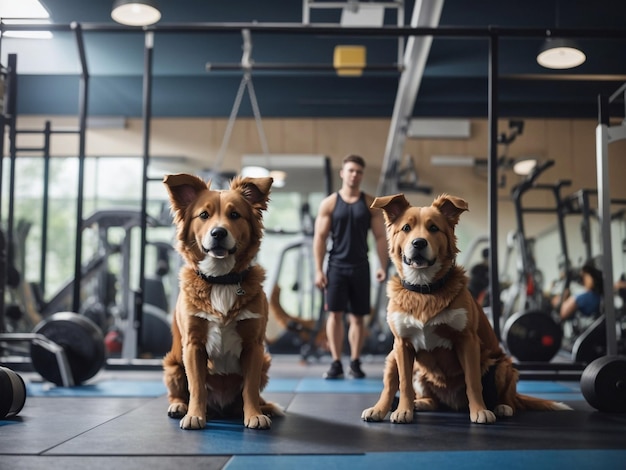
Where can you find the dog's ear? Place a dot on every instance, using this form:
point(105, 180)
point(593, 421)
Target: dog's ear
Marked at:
point(392, 206)
point(183, 189)
point(451, 206)
point(255, 190)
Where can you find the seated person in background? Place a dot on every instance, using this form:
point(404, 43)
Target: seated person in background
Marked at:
point(587, 302)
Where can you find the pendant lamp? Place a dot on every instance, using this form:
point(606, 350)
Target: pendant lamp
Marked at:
point(135, 12)
point(560, 53)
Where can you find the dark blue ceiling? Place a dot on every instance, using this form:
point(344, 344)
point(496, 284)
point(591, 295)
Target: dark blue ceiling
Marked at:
point(454, 83)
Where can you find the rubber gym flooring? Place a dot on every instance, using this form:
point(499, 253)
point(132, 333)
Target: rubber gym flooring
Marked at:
point(118, 420)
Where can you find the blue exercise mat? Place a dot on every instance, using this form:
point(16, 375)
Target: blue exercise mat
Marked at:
point(155, 388)
point(320, 385)
point(104, 388)
point(513, 459)
point(542, 386)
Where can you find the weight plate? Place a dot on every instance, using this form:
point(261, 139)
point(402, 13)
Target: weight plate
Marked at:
point(603, 384)
point(532, 336)
point(82, 341)
point(12, 393)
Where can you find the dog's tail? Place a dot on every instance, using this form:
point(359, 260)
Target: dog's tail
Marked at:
point(525, 402)
point(305, 329)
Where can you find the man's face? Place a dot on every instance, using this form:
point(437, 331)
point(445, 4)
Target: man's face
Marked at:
point(352, 174)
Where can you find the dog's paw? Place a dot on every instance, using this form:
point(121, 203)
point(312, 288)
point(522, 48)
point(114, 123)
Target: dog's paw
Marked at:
point(401, 416)
point(177, 410)
point(424, 404)
point(483, 417)
point(503, 410)
point(192, 422)
point(373, 415)
point(258, 422)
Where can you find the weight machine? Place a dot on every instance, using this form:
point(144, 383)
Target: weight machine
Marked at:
point(531, 334)
point(65, 348)
point(534, 333)
point(602, 381)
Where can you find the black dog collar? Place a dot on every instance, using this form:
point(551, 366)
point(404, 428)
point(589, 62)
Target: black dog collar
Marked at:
point(230, 278)
point(427, 288)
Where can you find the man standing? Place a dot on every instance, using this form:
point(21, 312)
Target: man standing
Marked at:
point(346, 216)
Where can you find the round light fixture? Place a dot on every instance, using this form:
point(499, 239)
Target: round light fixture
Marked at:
point(135, 12)
point(254, 172)
point(279, 177)
point(560, 54)
point(524, 166)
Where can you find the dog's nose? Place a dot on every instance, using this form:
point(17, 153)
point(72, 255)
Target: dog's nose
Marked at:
point(419, 243)
point(218, 233)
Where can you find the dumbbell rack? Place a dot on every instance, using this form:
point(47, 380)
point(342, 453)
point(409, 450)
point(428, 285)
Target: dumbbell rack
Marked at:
point(65, 370)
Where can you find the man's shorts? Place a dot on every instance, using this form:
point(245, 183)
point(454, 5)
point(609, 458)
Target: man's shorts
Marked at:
point(348, 289)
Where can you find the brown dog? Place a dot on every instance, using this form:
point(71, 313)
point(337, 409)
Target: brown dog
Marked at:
point(217, 364)
point(445, 351)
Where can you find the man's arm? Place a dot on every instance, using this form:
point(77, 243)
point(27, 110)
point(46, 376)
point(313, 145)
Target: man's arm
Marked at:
point(380, 237)
point(568, 307)
point(323, 223)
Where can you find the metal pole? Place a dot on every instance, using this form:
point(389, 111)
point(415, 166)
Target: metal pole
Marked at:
point(3, 248)
point(82, 125)
point(12, 113)
point(603, 137)
point(131, 344)
point(46, 204)
point(328, 176)
point(417, 50)
point(299, 67)
point(492, 165)
point(328, 30)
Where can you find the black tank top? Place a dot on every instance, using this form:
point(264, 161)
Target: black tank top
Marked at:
point(350, 223)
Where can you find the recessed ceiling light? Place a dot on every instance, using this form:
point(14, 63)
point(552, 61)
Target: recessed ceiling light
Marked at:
point(24, 12)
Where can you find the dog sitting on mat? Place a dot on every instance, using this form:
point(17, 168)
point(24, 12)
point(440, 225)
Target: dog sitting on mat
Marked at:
point(445, 350)
point(218, 366)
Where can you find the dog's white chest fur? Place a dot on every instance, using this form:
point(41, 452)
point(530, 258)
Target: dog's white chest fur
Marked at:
point(423, 336)
point(223, 342)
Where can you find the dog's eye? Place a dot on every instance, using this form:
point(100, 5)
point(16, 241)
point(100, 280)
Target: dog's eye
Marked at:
point(234, 215)
point(204, 215)
point(406, 228)
point(433, 228)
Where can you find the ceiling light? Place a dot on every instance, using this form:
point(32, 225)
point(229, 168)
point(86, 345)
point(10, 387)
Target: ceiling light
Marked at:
point(24, 12)
point(452, 160)
point(135, 12)
point(27, 34)
point(255, 172)
point(279, 178)
point(22, 9)
point(559, 53)
point(524, 166)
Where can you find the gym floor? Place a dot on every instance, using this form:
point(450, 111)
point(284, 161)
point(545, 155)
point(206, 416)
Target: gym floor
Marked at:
point(118, 420)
